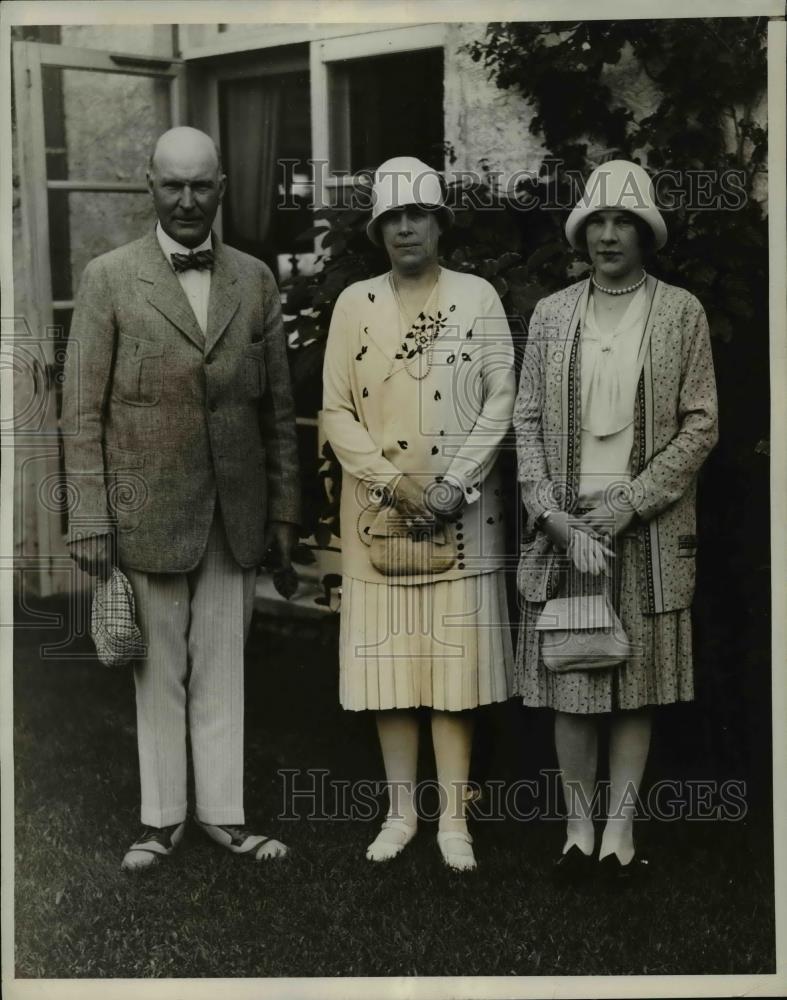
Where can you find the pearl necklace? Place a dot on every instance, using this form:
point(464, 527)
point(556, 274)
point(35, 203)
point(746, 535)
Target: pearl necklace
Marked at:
point(618, 291)
point(404, 315)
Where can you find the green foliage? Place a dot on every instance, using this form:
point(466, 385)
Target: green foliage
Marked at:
point(709, 75)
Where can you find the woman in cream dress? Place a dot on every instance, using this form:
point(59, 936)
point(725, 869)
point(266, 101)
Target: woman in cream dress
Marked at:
point(418, 396)
point(615, 415)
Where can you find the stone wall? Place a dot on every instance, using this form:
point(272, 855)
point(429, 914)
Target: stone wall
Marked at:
point(484, 123)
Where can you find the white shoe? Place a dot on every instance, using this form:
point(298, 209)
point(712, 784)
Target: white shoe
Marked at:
point(456, 846)
point(392, 839)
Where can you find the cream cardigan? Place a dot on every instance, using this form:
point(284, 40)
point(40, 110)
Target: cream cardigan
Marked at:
point(382, 422)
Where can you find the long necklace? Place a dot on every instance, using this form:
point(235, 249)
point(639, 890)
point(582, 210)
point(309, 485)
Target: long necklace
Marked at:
point(618, 291)
point(424, 341)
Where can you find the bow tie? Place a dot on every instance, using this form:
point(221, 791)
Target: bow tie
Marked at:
point(202, 260)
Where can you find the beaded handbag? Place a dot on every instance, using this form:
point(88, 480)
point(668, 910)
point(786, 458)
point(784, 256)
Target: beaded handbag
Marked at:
point(400, 548)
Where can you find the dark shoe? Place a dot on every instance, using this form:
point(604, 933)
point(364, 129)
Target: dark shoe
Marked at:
point(573, 867)
point(615, 873)
point(239, 840)
point(152, 844)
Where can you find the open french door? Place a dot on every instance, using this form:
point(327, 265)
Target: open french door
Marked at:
point(83, 132)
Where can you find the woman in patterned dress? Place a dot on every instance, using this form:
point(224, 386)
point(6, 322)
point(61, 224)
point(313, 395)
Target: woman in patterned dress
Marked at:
point(418, 395)
point(615, 415)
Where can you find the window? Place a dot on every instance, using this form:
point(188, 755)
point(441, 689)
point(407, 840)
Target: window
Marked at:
point(266, 144)
point(384, 106)
point(374, 95)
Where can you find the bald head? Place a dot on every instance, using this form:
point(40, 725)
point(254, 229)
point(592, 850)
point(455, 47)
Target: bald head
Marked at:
point(186, 181)
point(184, 143)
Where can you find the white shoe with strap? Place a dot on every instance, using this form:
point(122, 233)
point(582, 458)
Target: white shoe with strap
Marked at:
point(392, 839)
point(456, 846)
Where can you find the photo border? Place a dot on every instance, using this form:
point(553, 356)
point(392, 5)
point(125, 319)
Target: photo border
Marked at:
point(390, 11)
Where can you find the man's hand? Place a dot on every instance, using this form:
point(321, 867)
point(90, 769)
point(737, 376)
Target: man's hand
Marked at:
point(280, 538)
point(93, 555)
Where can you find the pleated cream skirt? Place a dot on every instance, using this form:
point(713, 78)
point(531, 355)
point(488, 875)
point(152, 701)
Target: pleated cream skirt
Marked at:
point(446, 645)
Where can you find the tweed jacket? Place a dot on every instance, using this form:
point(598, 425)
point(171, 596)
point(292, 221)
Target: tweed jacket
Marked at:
point(162, 423)
point(382, 422)
point(675, 427)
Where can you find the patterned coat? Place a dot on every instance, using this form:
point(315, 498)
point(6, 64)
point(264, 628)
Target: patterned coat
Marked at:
point(675, 427)
point(381, 421)
point(161, 423)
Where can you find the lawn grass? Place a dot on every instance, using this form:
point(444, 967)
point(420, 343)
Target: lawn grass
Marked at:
point(706, 908)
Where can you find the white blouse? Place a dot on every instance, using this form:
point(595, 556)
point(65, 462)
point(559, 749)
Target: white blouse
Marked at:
point(610, 368)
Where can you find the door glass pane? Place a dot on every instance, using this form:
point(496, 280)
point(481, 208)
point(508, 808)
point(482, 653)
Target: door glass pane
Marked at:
point(97, 221)
point(102, 126)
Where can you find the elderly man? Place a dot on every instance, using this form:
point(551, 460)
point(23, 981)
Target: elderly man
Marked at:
point(180, 444)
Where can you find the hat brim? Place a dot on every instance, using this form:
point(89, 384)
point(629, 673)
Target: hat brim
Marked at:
point(446, 220)
point(649, 215)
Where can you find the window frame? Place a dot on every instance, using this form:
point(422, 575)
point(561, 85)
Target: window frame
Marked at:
point(328, 103)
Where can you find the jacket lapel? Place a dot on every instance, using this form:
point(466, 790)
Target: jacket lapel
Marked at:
point(654, 288)
point(644, 445)
point(224, 296)
point(164, 292)
point(571, 397)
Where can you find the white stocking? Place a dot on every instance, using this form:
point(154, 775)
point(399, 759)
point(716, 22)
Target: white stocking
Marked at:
point(629, 743)
point(452, 737)
point(576, 742)
point(398, 733)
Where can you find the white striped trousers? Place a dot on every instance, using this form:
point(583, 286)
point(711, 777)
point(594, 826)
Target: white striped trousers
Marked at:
point(195, 626)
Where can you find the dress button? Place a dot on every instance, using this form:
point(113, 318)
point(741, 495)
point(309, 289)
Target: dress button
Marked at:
point(460, 565)
point(213, 406)
point(458, 525)
point(459, 537)
point(461, 547)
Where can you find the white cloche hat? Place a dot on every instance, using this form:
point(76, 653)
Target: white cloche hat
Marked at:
point(402, 181)
point(623, 185)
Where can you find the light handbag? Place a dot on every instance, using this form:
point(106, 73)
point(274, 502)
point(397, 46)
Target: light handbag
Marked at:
point(400, 548)
point(581, 633)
